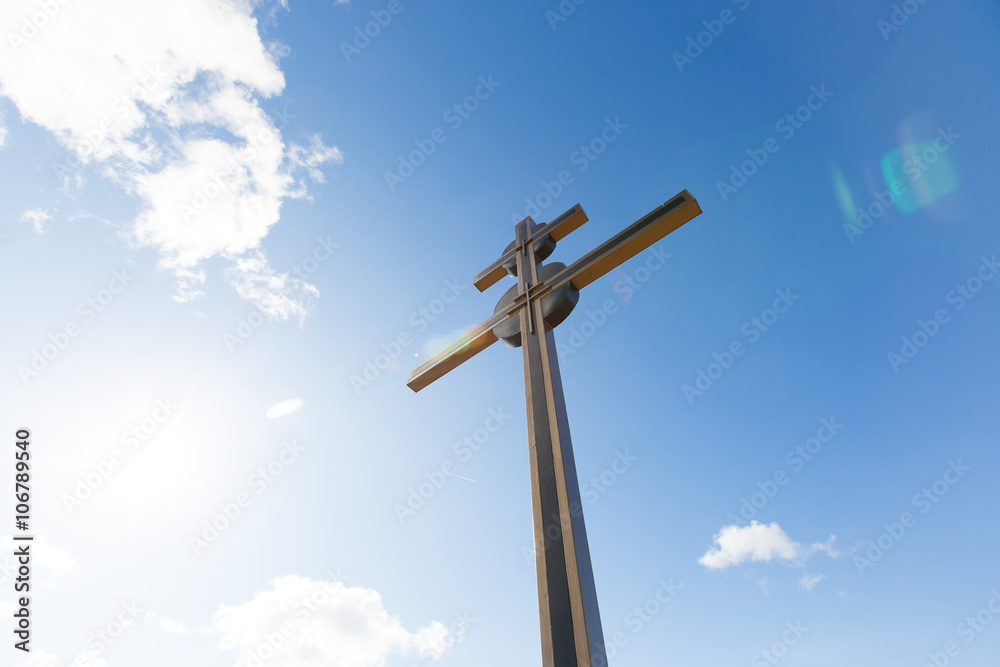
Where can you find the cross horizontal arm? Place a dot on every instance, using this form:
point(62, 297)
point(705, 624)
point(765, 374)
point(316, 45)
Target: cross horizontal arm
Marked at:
point(451, 357)
point(557, 229)
point(629, 242)
point(567, 222)
point(623, 246)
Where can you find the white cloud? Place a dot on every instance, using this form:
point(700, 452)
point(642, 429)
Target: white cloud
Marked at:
point(758, 542)
point(764, 586)
point(164, 97)
point(173, 627)
point(340, 627)
point(45, 659)
point(284, 408)
point(809, 581)
point(56, 562)
point(37, 217)
point(3, 132)
point(279, 295)
point(825, 547)
point(42, 658)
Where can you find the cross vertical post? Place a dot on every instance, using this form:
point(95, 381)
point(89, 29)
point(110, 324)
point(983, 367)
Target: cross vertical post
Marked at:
point(567, 596)
point(525, 317)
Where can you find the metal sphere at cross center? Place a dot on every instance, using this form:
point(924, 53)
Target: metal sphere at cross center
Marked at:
point(556, 305)
point(544, 245)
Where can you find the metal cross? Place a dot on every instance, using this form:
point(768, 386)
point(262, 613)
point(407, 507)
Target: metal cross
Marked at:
point(567, 598)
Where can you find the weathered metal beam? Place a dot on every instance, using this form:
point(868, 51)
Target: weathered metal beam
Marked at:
point(558, 228)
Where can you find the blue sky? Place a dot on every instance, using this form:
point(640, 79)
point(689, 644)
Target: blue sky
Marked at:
point(216, 216)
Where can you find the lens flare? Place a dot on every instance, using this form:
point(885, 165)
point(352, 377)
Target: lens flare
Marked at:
point(844, 195)
point(437, 343)
point(923, 165)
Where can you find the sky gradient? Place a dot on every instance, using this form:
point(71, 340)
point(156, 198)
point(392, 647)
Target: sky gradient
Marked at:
point(230, 229)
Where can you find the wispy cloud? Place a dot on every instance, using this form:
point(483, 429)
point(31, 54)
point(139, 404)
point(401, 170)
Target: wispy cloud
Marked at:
point(759, 542)
point(164, 98)
point(42, 658)
point(284, 408)
point(172, 626)
point(37, 217)
point(809, 581)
